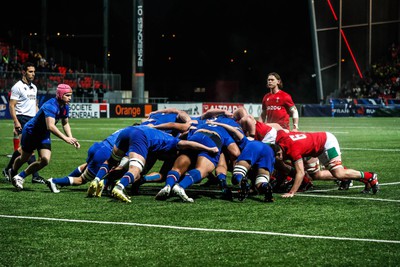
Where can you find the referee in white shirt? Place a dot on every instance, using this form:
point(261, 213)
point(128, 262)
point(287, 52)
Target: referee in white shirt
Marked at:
point(23, 106)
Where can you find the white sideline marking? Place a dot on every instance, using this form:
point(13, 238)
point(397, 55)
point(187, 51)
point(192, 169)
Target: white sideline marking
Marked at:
point(371, 149)
point(310, 193)
point(344, 197)
point(205, 229)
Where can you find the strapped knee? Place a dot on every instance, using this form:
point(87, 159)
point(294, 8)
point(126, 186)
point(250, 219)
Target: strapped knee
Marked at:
point(136, 163)
point(262, 178)
point(114, 160)
point(87, 176)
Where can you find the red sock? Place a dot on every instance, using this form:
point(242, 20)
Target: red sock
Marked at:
point(16, 143)
point(367, 175)
point(306, 179)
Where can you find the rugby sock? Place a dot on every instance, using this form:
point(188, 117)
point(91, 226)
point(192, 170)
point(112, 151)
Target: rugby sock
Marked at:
point(33, 159)
point(365, 176)
point(23, 174)
point(191, 177)
point(76, 173)
point(263, 187)
point(102, 171)
point(236, 178)
point(152, 178)
point(16, 141)
point(15, 155)
point(64, 181)
point(306, 179)
point(172, 178)
point(239, 172)
point(222, 180)
point(127, 179)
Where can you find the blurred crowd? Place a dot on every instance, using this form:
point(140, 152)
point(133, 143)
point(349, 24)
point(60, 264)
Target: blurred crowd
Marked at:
point(48, 74)
point(381, 81)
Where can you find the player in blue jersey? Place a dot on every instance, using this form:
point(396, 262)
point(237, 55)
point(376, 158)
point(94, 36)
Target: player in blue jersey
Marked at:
point(36, 134)
point(170, 115)
point(226, 161)
point(139, 142)
point(96, 155)
point(205, 162)
point(255, 155)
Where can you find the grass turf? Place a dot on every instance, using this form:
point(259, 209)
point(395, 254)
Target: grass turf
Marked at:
point(322, 227)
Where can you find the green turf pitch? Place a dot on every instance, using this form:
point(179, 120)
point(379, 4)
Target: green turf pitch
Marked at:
point(324, 227)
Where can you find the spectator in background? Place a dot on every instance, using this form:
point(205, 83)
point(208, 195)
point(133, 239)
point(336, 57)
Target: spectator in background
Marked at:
point(100, 94)
point(277, 104)
point(79, 94)
point(89, 94)
point(31, 57)
point(43, 66)
point(23, 107)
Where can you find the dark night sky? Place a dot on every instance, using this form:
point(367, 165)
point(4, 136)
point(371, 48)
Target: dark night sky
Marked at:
point(208, 34)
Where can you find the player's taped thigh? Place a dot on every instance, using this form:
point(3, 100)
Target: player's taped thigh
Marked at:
point(87, 176)
point(311, 165)
point(134, 162)
point(114, 159)
point(262, 178)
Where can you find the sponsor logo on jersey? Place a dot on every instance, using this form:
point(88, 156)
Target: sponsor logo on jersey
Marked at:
point(274, 108)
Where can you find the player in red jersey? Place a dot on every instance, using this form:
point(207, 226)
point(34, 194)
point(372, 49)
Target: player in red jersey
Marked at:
point(260, 131)
point(325, 147)
point(277, 105)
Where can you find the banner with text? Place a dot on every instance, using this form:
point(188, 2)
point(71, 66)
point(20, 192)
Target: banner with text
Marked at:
point(89, 110)
point(231, 107)
point(131, 110)
point(193, 109)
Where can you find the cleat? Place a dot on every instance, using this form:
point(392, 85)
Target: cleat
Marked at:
point(38, 180)
point(366, 189)
point(11, 174)
point(91, 192)
point(373, 182)
point(227, 194)
point(119, 193)
point(305, 187)
point(244, 190)
point(268, 197)
point(345, 184)
point(136, 185)
point(211, 181)
point(5, 174)
point(52, 186)
point(18, 182)
point(99, 189)
point(163, 194)
point(180, 192)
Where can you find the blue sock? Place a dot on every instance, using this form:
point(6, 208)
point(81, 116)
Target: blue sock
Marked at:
point(236, 178)
point(151, 178)
point(263, 187)
point(127, 179)
point(102, 171)
point(75, 173)
point(172, 178)
point(64, 181)
point(222, 180)
point(191, 177)
point(22, 174)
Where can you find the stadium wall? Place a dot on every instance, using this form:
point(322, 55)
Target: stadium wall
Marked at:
point(338, 108)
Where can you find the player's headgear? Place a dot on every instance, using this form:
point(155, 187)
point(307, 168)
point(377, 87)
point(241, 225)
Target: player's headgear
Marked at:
point(63, 89)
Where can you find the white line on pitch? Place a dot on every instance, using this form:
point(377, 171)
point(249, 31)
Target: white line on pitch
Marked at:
point(345, 197)
point(204, 229)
